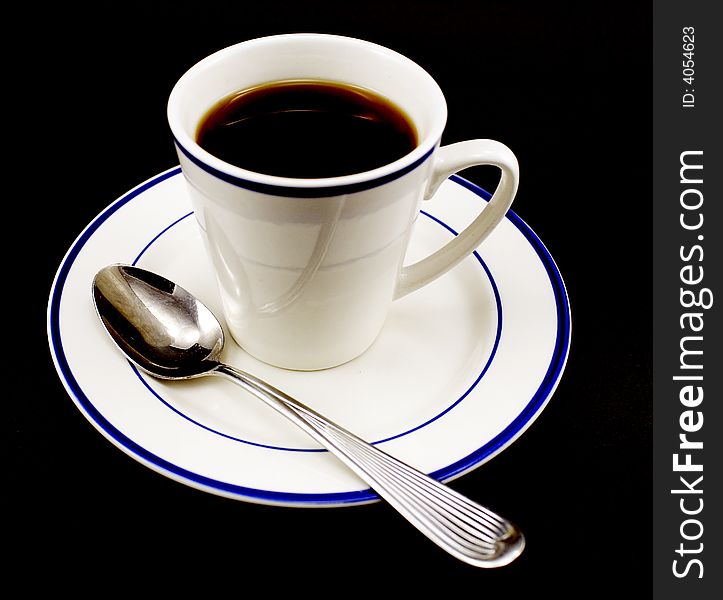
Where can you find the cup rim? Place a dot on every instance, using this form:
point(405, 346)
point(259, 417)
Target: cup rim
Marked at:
point(275, 184)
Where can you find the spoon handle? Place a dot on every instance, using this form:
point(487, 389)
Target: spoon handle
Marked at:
point(463, 528)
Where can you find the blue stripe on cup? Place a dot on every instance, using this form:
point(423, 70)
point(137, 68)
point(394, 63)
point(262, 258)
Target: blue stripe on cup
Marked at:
point(302, 192)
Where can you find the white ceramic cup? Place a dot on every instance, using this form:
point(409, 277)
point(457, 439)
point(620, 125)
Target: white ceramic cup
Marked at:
point(308, 268)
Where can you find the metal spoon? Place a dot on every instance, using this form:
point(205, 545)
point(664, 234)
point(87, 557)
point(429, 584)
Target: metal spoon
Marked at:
point(170, 334)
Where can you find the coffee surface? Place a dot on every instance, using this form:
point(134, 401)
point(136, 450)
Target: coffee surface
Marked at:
point(306, 129)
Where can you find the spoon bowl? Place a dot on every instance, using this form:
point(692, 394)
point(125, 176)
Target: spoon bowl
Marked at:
point(157, 324)
point(170, 334)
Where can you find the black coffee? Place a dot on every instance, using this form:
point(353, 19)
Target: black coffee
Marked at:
point(306, 129)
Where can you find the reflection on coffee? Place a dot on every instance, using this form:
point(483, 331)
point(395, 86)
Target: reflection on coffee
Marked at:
point(306, 129)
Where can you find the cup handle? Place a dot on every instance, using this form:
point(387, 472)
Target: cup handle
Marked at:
point(448, 160)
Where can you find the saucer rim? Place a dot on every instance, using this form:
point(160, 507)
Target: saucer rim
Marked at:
point(491, 448)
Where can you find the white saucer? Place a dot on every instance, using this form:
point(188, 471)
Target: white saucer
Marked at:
point(461, 369)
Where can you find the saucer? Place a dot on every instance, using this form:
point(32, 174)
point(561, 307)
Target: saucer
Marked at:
point(461, 369)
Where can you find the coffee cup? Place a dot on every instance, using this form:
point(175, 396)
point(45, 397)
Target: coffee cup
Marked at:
point(308, 267)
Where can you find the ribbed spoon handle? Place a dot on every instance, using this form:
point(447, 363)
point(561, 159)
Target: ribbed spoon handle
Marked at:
point(468, 531)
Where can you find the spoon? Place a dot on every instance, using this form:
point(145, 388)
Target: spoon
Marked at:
point(170, 334)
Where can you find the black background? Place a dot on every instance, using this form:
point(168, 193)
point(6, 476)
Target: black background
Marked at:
point(567, 87)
